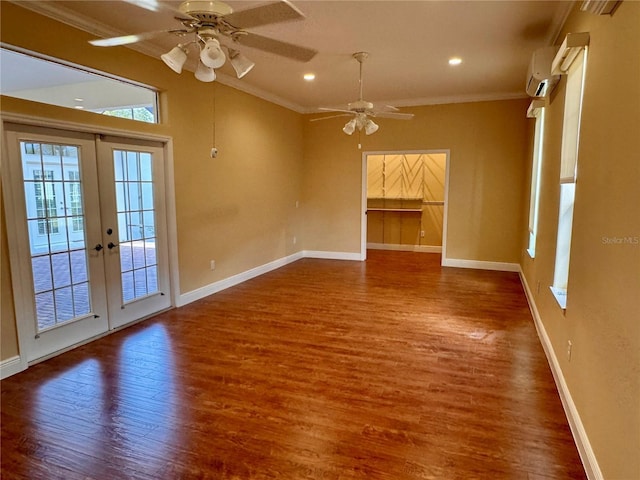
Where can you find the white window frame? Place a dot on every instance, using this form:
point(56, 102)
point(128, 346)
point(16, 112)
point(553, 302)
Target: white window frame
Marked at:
point(574, 93)
point(80, 87)
point(536, 169)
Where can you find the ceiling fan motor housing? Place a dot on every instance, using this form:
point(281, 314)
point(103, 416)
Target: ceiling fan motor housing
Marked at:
point(360, 106)
point(205, 11)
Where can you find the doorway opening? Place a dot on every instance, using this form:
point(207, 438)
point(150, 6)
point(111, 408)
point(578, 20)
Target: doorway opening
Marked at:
point(404, 200)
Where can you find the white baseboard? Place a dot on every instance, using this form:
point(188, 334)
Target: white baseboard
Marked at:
point(587, 455)
point(215, 287)
point(332, 255)
point(11, 366)
point(480, 265)
point(405, 248)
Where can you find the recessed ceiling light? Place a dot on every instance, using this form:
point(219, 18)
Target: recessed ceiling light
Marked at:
point(309, 76)
point(79, 107)
point(455, 61)
point(79, 99)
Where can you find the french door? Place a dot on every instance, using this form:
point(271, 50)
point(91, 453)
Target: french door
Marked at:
point(132, 195)
point(89, 235)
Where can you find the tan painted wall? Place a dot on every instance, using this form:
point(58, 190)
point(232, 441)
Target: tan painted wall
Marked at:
point(488, 156)
point(8, 335)
point(603, 306)
point(238, 209)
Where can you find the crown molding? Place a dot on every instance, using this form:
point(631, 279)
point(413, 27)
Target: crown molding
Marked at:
point(422, 102)
point(558, 22)
point(238, 84)
point(64, 15)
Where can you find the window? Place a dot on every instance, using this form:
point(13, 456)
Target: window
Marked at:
point(568, 169)
point(75, 201)
point(46, 209)
point(536, 167)
point(142, 114)
point(41, 79)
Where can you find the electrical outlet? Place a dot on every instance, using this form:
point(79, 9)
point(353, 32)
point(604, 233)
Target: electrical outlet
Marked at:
point(213, 264)
point(569, 346)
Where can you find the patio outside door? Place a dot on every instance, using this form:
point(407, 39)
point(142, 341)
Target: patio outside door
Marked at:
point(89, 227)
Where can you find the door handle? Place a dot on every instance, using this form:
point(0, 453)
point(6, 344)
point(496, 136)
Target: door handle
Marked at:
point(112, 245)
point(98, 247)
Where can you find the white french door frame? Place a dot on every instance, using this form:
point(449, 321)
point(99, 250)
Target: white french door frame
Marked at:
point(139, 307)
point(22, 300)
point(363, 217)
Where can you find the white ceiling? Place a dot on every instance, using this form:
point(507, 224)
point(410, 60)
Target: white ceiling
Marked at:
point(409, 43)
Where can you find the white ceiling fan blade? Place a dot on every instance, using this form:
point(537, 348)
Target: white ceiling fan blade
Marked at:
point(397, 116)
point(277, 12)
point(323, 109)
point(389, 108)
point(129, 39)
point(284, 49)
point(151, 5)
point(156, 6)
point(330, 116)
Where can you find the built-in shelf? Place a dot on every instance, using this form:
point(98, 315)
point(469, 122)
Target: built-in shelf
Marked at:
point(419, 210)
point(400, 205)
point(395, 205)
point(401, 199)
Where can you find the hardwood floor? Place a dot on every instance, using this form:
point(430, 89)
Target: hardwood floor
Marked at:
point(393, 368)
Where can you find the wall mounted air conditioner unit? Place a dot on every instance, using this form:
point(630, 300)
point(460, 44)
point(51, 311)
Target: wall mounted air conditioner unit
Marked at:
point(540, 81)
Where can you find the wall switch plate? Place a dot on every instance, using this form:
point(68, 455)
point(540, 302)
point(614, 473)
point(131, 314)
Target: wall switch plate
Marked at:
point(569, 347)
point(421, 233)
point(213, 264)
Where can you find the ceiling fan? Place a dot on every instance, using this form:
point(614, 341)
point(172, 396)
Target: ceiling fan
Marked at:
point(361, 110)
point(214, 25)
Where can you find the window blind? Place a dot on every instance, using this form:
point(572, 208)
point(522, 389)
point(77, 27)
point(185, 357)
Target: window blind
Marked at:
point(535, 171)
point(571, 125)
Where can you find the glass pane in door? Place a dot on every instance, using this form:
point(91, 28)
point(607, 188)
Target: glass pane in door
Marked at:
point(55, 218)
point(136, 223)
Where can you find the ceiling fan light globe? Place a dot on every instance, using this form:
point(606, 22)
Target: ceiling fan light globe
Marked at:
point(212, 55)
point(370, 127)
point(175, 58)
point(350, 127)
point(241, 64)
point(204, 73)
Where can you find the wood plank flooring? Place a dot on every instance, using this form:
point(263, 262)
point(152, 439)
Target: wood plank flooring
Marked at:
point(393, 368)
